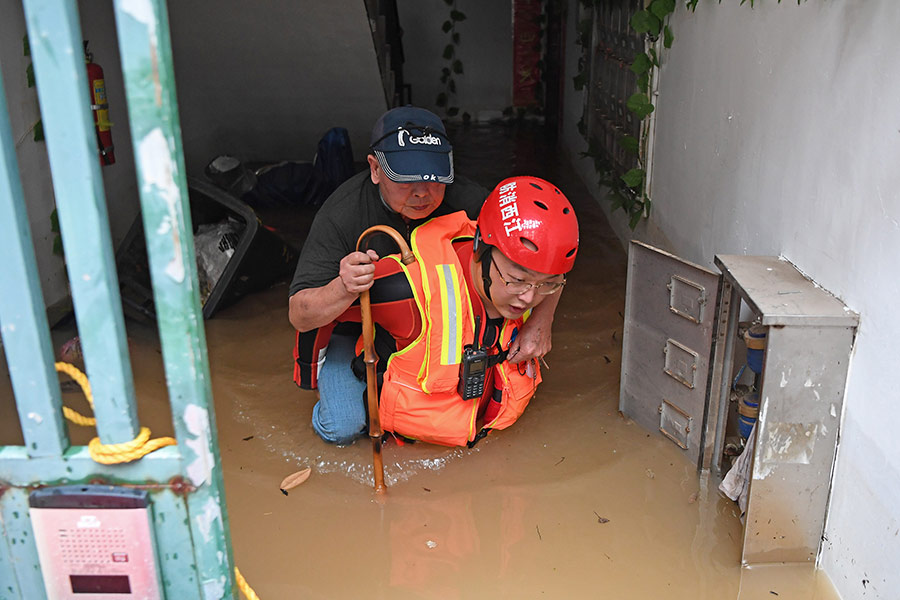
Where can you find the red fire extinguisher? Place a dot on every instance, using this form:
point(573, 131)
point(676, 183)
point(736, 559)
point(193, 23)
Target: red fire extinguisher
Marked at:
point(100, 108)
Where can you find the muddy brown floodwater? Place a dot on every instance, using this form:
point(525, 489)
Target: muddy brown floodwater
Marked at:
point(573, 501)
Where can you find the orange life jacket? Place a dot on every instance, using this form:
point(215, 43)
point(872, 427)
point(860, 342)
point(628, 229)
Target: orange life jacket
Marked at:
point(419, 397)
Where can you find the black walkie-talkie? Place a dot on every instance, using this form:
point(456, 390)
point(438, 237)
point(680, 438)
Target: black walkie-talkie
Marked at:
point(473, 367)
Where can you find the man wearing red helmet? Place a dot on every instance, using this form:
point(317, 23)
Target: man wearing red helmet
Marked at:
point(456, 312)
point(410, 180)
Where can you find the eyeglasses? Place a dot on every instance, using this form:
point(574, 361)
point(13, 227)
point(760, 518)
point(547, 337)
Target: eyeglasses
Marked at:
point(521, 287)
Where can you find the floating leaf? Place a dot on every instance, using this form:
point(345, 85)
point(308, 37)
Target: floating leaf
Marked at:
point(295, 479)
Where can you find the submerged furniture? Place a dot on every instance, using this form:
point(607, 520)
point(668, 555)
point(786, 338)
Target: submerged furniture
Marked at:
point(677, 350)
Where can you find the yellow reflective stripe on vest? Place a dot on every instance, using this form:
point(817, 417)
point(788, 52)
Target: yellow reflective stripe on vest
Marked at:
point(451, 307)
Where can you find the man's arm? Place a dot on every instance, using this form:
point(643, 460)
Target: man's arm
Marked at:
point(314, 307)
point(533, 340)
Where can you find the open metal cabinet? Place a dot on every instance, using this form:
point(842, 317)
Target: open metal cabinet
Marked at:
point(681, 324)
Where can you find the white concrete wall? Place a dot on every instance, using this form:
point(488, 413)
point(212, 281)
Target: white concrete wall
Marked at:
point(484, 89)
point(264, 80)
point(778, 132)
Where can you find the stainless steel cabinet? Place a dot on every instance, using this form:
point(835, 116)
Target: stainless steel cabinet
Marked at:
point(678, 345)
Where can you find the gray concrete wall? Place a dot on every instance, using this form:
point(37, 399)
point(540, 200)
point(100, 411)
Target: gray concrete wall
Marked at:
point(261, 81)
point(484, 89)
point(778, 133)
point(119, 182)
point(264, 81)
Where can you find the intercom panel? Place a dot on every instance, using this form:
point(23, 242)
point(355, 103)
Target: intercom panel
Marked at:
point(95, 542)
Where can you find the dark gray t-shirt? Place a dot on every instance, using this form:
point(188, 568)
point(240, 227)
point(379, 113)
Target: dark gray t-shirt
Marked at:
point(354, 207)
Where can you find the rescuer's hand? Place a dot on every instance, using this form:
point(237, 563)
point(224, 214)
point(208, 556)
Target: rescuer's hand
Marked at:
point(357, 271)
point(533, 341)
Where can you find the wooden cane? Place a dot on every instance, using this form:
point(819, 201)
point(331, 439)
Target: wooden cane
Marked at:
point(371, 358)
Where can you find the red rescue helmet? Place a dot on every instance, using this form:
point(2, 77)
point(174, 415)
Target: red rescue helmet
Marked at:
point(532, 223)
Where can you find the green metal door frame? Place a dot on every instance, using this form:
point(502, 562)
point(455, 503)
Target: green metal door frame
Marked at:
point(185, 481)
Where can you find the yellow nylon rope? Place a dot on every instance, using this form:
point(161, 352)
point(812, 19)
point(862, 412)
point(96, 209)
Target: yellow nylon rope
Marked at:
point(111, 454)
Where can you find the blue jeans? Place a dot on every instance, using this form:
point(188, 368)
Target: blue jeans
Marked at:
point(339, 416)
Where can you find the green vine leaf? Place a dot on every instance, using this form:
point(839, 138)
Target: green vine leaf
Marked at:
point(448, 51)
point(654, 59)
point(662, 8)
point(441, 99)
point(630, 143)
point(583, 33)
point(457, 66)
point(456, 15)
point(455, 38)
point(635, 219)
point(644, 21)
point(668, 36)
point(580, 81)
point(640, 105)
point(449, 2)
point(641, 64)
point(447, 26)
point(643, 81)
point(29, 75)
point(633, 178)
point(39, 131)
point(452, 86)
point(453, 111)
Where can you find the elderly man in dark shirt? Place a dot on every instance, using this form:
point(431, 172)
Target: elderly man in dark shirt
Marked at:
point(410, 179)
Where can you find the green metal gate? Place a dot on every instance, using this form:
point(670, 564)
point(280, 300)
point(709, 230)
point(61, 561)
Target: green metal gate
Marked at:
point(185, 481)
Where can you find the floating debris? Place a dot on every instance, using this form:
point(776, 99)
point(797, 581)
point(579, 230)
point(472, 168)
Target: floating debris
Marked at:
point(601, 520)
point(431, 544)
point(295, 479)
point(650, 473)
point(248, 438)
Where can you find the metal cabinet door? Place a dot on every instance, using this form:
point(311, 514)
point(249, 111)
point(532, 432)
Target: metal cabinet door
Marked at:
point(670, 318)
